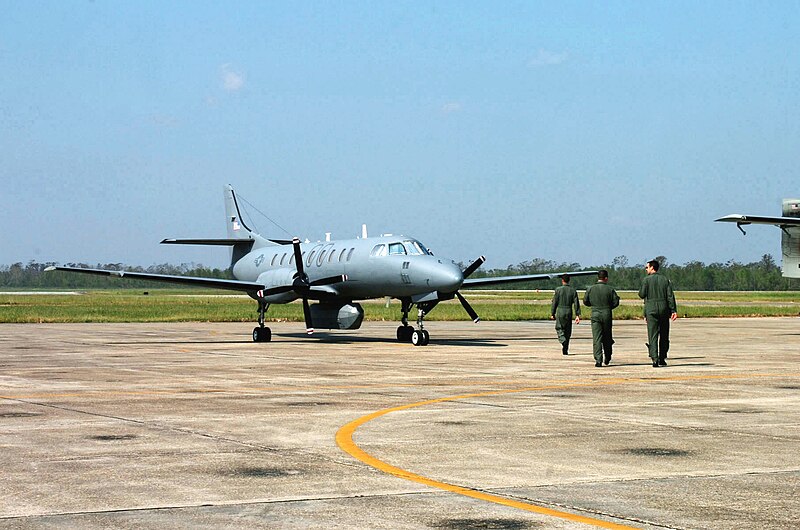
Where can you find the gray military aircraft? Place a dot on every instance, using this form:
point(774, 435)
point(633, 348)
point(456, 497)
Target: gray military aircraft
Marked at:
point(790, 227)
point(334, 274)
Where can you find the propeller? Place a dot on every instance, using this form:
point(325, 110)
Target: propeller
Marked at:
point(302, 286)
point(467, 272)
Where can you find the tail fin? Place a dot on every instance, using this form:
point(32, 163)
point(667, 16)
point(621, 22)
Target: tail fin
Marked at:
point(238, 229)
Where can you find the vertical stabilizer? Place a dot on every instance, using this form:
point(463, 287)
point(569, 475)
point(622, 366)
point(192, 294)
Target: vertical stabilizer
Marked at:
point(238, 229)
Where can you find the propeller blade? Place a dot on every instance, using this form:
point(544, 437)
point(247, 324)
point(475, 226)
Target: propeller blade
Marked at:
point(307, 315)
point(472, 268)
point(329, 280)
point(276, 290)
point(298, 257)
point(468, 308)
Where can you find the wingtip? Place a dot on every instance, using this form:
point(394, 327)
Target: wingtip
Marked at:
point(731, 217)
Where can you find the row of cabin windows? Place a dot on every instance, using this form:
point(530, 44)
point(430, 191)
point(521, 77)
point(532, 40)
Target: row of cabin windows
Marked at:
point(409, 247)
point(344, 255)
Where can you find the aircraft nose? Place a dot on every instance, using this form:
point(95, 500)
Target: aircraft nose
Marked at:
point(448, 277)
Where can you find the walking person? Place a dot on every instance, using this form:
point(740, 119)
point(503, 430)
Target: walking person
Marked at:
point(603, 299)
point(659, 309)
point(565, 298)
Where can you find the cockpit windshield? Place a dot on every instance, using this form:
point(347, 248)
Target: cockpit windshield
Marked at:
point(396, 249)
point(378, 251)
point(415, 248)
point(410, 247)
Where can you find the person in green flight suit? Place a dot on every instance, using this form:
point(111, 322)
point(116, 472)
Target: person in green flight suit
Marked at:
point(602, 298)
point(564, 299)
point(659, 310)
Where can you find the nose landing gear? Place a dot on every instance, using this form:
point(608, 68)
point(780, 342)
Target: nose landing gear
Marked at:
point(406, 333)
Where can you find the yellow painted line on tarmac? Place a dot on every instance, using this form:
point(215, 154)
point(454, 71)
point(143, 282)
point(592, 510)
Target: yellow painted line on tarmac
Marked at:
point(344, 439)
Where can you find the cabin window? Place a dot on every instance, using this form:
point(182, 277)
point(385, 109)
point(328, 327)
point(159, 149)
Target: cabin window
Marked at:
point(341, 256)
point(272, 263)
point(283, 258)
point(330, 256)
point(321, 259)
point(350, 254)
point(396, 249)
point(291, 258)
point(377, 251)
point(312, 254)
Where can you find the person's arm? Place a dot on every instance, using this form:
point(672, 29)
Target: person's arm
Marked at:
point(643, 288)
point(673, 306)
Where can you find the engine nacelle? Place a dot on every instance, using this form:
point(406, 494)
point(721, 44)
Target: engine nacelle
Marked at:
point(791, 207)
point(336, 316)
point(278, 278)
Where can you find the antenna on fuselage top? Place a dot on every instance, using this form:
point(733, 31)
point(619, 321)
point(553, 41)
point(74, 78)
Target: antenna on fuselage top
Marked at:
point(363, 231)
point(327, 237)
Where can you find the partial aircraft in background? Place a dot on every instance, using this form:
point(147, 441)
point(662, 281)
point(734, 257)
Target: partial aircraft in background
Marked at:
point(790, 236)
point(335, 274)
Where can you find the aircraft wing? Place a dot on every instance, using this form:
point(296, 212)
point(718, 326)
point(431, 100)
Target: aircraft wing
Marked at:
point(233, 285)
point(220, 242)
point(760, 219)
point(482, 282)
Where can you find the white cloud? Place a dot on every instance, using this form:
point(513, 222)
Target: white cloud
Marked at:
point(232, 80)
point(547, 58)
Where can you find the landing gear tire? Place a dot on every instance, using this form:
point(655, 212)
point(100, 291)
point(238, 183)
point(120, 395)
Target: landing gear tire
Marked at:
point(262, 334)
point(420, 337)
point(404, 333)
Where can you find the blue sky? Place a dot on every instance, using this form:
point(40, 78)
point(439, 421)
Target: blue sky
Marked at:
point(570, 131)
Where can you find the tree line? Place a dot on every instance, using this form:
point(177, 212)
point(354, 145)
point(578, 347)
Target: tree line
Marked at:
point(762, 275)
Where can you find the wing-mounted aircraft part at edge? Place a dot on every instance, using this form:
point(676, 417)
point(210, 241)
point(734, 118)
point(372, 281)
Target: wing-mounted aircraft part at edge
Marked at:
point(334, 274)
point(789, 224)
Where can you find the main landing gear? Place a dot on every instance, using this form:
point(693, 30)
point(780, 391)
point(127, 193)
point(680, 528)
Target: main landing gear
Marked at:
point(406, 333)
point(262, 333)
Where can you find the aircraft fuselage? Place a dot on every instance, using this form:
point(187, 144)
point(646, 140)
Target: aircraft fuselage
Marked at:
point(394, 266)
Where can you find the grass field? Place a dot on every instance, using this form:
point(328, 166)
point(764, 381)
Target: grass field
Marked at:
point(184, 305)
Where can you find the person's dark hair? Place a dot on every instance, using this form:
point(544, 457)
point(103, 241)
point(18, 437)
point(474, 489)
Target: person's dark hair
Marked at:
point(655, 264)
point(602, 274)
point(565, 277)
